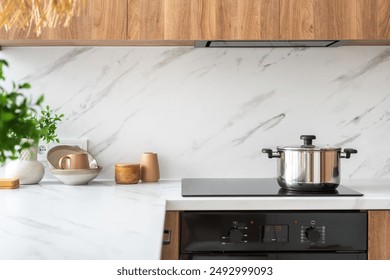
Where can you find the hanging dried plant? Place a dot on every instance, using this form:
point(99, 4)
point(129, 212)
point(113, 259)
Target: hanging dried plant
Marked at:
point(28, 14)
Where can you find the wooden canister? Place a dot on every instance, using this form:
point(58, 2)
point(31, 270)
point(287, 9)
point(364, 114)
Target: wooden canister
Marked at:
point(150, 171)
point(127, 173)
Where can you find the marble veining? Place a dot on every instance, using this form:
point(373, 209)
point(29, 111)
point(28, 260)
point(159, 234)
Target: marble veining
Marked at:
point(382, 57)
point(268, 124)
point(58, 64)
point(209, 112)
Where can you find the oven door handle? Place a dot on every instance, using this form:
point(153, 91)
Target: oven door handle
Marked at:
point(167, 241)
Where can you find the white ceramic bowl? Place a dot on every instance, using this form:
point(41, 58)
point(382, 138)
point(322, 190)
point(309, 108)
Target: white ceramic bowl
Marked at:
point(76, 176)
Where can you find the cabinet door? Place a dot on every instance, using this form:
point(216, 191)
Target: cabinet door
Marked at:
point(236, 19)
point(99, 20)
point(334, 19)
point(203, 19)
point(378, 235)
point(296, 20)
point(170, 250)
point(318, 19)
point(373, 19)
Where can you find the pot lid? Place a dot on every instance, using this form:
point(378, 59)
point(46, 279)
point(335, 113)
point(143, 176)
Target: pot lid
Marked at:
point(308, 145)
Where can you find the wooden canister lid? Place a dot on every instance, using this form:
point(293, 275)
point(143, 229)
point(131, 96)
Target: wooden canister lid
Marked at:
point(124, 165)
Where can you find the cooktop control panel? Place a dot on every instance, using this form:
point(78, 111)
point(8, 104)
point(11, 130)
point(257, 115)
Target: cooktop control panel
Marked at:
point(273, 231)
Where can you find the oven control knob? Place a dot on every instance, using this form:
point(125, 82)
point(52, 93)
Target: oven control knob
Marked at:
point(313, 234)
point(235, 235)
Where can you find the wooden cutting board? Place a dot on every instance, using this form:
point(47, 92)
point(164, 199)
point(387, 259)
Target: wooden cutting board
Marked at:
point(9, 183)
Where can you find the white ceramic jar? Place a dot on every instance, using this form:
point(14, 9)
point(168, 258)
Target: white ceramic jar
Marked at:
point(27, 168)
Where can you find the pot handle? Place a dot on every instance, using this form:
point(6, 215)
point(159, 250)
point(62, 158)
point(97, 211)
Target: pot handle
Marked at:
point(271, 154)
point(347, 153)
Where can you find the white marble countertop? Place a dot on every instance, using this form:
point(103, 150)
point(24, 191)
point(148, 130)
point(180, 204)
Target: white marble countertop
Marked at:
point(108, 221)
point(97, 221)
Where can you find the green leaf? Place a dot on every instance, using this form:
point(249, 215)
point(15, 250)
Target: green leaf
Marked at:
point(2, 64)
point(40, 100)
point(7, 116)
point(3, 61)
point(25, 86)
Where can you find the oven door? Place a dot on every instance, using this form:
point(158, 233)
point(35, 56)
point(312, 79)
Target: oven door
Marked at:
point(276, 256)
point(274, 235)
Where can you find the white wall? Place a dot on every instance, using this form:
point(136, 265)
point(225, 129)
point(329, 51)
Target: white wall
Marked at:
point(209, 112)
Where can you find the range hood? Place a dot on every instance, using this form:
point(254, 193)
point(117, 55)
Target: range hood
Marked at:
point(266, 44)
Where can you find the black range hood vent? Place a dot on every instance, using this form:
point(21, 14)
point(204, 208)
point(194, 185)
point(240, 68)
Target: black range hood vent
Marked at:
point(266, 44)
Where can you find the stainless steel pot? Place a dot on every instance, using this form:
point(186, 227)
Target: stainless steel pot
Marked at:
point(308, 167)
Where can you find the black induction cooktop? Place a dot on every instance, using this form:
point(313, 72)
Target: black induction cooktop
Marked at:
point(249, 187)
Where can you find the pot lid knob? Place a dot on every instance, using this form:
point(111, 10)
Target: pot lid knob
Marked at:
point(308, 141)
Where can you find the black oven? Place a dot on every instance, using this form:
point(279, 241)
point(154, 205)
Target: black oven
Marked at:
point(274, 235)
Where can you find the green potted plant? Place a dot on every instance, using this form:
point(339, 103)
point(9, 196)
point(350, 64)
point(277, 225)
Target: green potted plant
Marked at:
point(23, 122)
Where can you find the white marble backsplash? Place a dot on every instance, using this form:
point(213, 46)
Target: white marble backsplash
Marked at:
point(209, 112)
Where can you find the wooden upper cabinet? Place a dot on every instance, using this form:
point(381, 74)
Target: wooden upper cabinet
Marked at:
point(352, 19)
point(373, 19)
point(175, 21)
point(203, 19)
point(318, 19)
point(296, 19)
point(258, 19)
point(99, 20)
point(334, 19)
